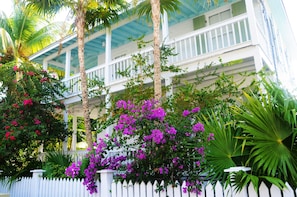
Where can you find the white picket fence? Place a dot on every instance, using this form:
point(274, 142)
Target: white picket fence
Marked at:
point(37, 186)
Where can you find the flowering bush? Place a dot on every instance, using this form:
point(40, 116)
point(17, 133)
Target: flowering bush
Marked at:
point(151, 144)
point(28, 115)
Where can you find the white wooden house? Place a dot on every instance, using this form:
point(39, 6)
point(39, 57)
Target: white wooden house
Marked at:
point(256, 32)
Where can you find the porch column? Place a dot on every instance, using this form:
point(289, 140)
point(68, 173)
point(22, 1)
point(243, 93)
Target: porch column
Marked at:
point(108, 130)
point(68, 64)
point(74, 134)
point(65, 117)
point(168, 83)
point(252, 21)
point(165, 27)
point(107, 55)
point(44, 65)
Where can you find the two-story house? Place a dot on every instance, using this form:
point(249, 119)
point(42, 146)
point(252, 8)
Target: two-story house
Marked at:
point(256, 32)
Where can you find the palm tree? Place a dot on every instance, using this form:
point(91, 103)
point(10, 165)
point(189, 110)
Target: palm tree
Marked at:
point(154, 8)
point(24, 33)
point(80, 8)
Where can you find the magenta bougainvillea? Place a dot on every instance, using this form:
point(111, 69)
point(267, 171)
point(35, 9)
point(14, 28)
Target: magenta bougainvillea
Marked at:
point(28, 106)
point(150, 144)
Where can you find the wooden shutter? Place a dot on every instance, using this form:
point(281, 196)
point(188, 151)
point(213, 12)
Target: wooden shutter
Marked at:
point(238, 8)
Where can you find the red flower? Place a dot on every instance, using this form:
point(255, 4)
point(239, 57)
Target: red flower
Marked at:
point(28, 102)
point(36, 121)
point(37, 132)
point(44, 79)
point(15, 105)
point(12, 138)
point(30, 73)
point(7, 134)
point(14, 123)
point(7, 127)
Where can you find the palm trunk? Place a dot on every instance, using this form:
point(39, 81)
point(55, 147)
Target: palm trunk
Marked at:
point(80, 23)
point(157, 62)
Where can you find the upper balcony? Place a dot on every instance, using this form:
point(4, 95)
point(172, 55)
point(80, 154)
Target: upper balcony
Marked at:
point(196, 33)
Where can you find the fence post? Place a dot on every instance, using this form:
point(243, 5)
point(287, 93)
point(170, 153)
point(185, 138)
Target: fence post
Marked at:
point(37, 175)
point(233, 170)
point(106, 178)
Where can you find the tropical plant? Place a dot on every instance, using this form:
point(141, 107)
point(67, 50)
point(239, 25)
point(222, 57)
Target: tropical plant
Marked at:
point(55, 164)
point(80, 9)
point(29, 116)
point(24, 33)
point(268, 120)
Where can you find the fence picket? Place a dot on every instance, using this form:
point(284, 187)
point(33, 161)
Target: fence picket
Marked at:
point(125, 189)
point(142, 190)
point(130, 189)
point(275, 191)
point(251, 190)
point(136, 190)
point(218, 190)
point(288, 191)
point(264, 190)
point(209, 190)
point(149, 190)
point(74, 188)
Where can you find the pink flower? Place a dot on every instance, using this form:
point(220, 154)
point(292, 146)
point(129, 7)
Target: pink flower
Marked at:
point(15, 68)
point(30, 73)
point(14, 123)
point(37, 121)
point(15, 105)
point(44, 79)
point(37, 132)
point(28, 102)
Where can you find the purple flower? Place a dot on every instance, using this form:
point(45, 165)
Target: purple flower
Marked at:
point(158, 136)
point(210, 137)
point(198, 127)
point(140, 154)
point(158, 113)
point(171, 131)
point(121, 104)
point(196, 109)
point(186, 113)
point(73, 169)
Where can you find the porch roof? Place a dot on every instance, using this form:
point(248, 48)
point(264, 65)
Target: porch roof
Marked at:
point(121, 34)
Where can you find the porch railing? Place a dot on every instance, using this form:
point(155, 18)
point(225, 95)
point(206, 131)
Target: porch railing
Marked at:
point(197, 43)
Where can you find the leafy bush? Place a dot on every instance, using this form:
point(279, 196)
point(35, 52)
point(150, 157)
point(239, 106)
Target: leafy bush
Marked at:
point(56, 163)
point(152, 145)
point(28, 114)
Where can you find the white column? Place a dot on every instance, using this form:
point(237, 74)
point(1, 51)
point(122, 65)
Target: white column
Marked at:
point(74, 134)
point(44, 65)
point(68, 64)
point(106, 178)
point(168, 82)
point(107, 55)
point(252, 21)
point(65, 117)
point(232, 171)
point(37, 175)
point(165, 27)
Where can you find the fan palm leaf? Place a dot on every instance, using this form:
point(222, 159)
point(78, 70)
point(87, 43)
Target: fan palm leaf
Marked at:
point(268, 134)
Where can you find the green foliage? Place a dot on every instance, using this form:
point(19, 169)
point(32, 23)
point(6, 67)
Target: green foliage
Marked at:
point(226, 150)
point(269, 131)
point(28, 114)
point(55, 164)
